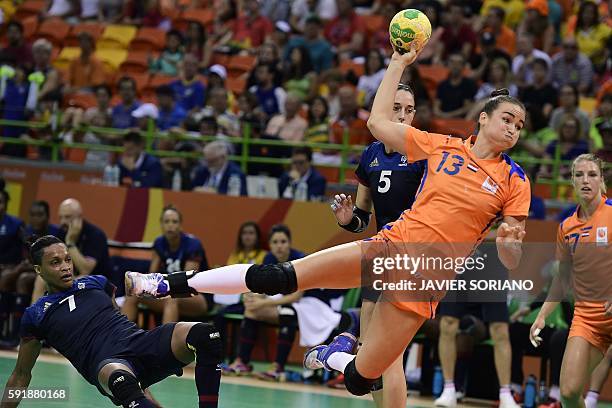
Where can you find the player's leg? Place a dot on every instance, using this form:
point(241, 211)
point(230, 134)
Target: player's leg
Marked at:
point(390, 331)
point(338, 267)
point(367, 308)
point(447, 351)
point(598, 377)
point(202, 341)
point(503, 362)
point(118, 380)
point(579, 360)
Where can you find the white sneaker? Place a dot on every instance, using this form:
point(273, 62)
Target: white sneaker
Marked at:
point(447, 399)
point(147, 285)
point(507, 401)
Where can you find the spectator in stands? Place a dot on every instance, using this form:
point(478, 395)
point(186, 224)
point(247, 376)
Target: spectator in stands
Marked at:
point(249, 245)
point(605, 152)
point(349, 119)
point(489, 52)
point(289, 126)
point(146, 13)
point(302, 182)
point(174, 251)
point(41, 51)
point(251, 28)
point(570, 143)
point(318, 122)
point(17, 49)
point(268, 54)
point(170, 113)
point(87, 244)
point(98, 158)
point(571, 67)
point(536, 22)
point(592, 34)
point(219, 175)
point(505, 38)
point(14, 97)
point(602, 114)
point(412, 77)
point(433, 11)
point(169, 60)
point(11, 235)
point(569, 100)
point(280, 35)
point(217, 107)
point(251, 113)
point(298, 75)
point(498, 76)
point(87, 71)
point(217, 74)
point(220, 32)
point(122, 113)
point(304, 10)
point(346, 31)
point(534, 137)
point(320, 50)
point(138, 168)
point(195, 38)
point(541, 94)
point(270, 97)
point(455, 95)
point(111, 11)
point(522, 64)
point(514, 10)
point(458, 36)
point(188, 89)
point(65, 9)
point(374, 72)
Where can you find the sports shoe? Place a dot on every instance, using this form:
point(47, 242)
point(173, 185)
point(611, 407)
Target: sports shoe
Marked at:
point(237, 369)
point(316, 357)
point(447, 399)
point(507, 401)
point(551, 403)
point(273, 374)
point(146, 285)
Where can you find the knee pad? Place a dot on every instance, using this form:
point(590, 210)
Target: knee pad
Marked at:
point(205, 342)
point(124, 387)
point(378, 384)
point(179, 288)
point(287, 316)
point(272, 279)
point(355, 383)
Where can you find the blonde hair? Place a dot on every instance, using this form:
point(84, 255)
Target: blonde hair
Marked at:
point(598, 162)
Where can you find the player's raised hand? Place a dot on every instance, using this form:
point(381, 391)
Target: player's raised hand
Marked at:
point(508, 235)
point(342, 206)
point(534, 332)
point(405, 57)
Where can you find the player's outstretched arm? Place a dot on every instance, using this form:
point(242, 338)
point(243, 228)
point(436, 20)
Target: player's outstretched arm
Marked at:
point(22, 374)
point(381, 122)
point(509, 241)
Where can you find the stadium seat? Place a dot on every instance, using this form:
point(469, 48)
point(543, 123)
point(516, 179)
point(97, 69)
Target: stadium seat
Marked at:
point(142, 81)
point(588, 104)
point(30, 26)
point(456, 127)
point(237, 85)
point(80, 100)
point(373, 22)
point(74, 155)
point(136, 62)
point(202, 16)
point(149, 39)
point(117, 36)
point(66, 55)
point(30, 8)
point(112, 58)
point(348, 65)
point(239, 64)
point(54, 30)
point(94, 29)
point(155, 81)
point(331, 174)
point(221, 59)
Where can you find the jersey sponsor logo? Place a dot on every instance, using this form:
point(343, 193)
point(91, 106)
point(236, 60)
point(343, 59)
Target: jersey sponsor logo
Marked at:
point(3, 228)
point(374, 163)
point(471, 167)
point(46, 306)
point(602, 236)
point(81, 285)
point(490, 186)
point(403, 162)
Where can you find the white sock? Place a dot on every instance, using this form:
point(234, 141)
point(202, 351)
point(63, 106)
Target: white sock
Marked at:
point(449, 386)
point(555, 393)
point(504, 390)
point(227, 280)
point(339, 360)
point(591, 399)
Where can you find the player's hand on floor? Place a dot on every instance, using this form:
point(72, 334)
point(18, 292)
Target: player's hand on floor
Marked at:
point(342, 206)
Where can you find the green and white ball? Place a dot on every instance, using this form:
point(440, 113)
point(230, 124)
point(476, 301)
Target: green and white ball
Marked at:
point(408, 27)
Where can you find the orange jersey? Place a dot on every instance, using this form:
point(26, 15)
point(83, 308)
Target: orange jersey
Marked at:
point(460, 196)
point(586, 246)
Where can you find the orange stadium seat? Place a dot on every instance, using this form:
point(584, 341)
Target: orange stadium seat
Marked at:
point(30, 26)
point(202, 16)
point(236, 85)
point(432, 75)
point(54, 30)
point(456, 127)
point(80, 100)
point(221, 59)
point(373, 22)
point(348, 65)
point(155, 81)
point(239, 64)
point(149, 39)
point(74, 155)
point(30, 8)
point(94, 29)
point(142, 81)
point(136, 62)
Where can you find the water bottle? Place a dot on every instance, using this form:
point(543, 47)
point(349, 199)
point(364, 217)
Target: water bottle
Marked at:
point(177, 180)
point(233, 185)
point(108, 175)
point(437, 385)
point(530, 392)
point(116, 174)
point(301, 192)
point(543, 393)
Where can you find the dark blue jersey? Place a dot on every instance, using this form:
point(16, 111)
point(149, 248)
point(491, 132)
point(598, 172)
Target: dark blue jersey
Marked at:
point(190, 249)
point(82, 324)
point(393, 182)
point(11, 240)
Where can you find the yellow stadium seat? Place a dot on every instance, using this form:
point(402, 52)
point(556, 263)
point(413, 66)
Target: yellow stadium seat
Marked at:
point(112, 58)
point(117, 36)
point(66, 55)
point(588, 104)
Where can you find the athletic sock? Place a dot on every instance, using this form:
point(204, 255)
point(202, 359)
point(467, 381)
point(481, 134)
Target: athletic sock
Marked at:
point(208, 381)
point(449, 386)
point(339, 360)
point(504, 390)
point(591, 399)
point(286, 336)
point(248, 336)
point(555, 393)
point(225, 280)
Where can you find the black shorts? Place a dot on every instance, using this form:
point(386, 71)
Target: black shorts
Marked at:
point(488, 312)
point(149, 356)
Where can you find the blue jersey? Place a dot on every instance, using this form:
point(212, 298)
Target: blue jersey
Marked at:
point(190, 249)
point(393, 182)
point(11, 240)
point(189, 95)
point(82, 324)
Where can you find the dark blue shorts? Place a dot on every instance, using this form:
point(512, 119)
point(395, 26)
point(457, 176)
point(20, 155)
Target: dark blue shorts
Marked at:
point(150, 357)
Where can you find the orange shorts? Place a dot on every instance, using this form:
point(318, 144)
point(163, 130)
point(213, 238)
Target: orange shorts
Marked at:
point(591, 323)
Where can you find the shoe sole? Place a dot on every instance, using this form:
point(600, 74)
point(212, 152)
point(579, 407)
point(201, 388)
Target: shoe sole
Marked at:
point(129, 284)
point(309, 353)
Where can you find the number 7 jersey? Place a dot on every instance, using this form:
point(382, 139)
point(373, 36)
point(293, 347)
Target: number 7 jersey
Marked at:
point(461, 195)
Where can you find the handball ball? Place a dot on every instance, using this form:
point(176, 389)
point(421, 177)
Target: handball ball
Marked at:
point(407, 27)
